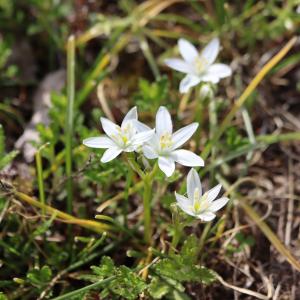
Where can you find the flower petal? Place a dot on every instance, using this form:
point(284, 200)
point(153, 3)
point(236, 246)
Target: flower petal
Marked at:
point(210, 52)
point(187, 82)
point(185, 204)
point(187, 50)
point(140, 126)
point(187, 158)
point(101, 142)
point(219, 70)
point(213, 193)
point(110, 154)
point(178, 65)
point(142, 137)
point(207, 216)
point(182, 135)
point(109, 127)
point(213, 78)
point(167, 165)
point(218, 204)
point(163, 122)
point(131, 115)
point(193, 182)
point(149, 152)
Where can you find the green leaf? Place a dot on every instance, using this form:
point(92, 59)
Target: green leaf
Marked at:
point(158, 289)
point(127, 283)
point(182, 267)
point(3, 297)
point(39, 277)
point(6, 159)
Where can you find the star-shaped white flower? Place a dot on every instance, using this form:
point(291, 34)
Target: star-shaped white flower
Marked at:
point(164, 144)
point(197, 205)
point(198, 66)
point(126, 138)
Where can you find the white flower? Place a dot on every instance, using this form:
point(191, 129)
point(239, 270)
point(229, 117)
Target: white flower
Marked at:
point(163, 145)
point(126, 138)
point(197, 205)
point(198, 67)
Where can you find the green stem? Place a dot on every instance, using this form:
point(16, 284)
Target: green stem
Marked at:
point(39, 168)
point(134, 165)
point(148, 182)
point(85, 289)
point(212, 110)
point(70, 118)
point(176, 237)
point(147, 209)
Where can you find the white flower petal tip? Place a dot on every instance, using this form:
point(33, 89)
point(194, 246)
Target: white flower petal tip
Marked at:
point(128, 138)
point(101, 142)
point(167, 165)
point(201, 206)
point(198, 66)
point(187, 50)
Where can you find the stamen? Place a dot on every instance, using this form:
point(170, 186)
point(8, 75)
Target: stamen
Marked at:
point(165, 140)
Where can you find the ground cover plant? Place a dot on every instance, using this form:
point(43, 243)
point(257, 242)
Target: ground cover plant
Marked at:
point(149, 149)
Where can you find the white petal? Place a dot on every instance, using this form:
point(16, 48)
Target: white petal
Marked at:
point(193, 182)
point(218, 204)
point(213, 78)
point(131, 115)
point(149, 152)
point(207, 216)
point(101, 142)
point(185, 204)
point(163, 122)
point(109, 127)
point(140, 126)
point(167, 165)
point(187, 50)
point(110, 154)
point(187, 82)
point(142, 137)
point(213, 193)
point(210, 52)
point(219, 70)
point(183, 134)
point(187, 158)
point(178, 65)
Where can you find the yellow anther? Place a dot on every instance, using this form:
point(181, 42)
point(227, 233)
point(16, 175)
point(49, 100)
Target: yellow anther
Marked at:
point(201, 64)
point(165, 140)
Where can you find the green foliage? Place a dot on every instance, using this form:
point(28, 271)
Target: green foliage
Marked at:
point(3, 297)
point(152, 94)
point(5, 158)
point(39, 278)
point(7, 72)
point(126, 284)
point(169, 273)
point(240, 242)
point(234, 140)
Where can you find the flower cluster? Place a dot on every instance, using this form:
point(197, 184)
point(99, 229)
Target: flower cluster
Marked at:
point(162, 143)
point(159, 143)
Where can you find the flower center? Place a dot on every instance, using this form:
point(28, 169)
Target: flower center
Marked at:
point(200, 64)
point(124, 135)
point(200, 203)
point(165, 141)
point(197, 200)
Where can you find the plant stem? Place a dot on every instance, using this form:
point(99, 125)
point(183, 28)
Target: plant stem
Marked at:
point(148, 182)
point(70, 118)
point(147, 209)
point(39, 168)
point(85, 289)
